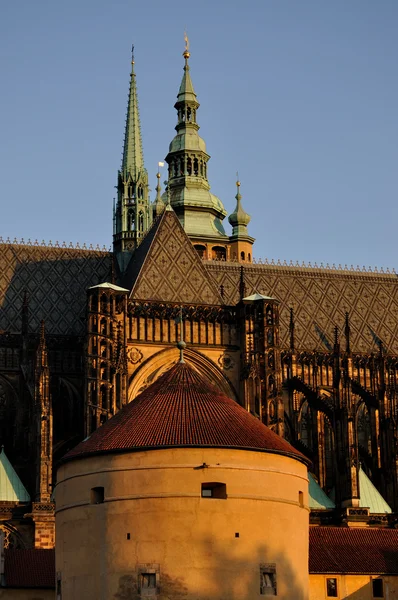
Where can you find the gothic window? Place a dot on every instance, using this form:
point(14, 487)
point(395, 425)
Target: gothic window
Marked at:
point(201, 250)
point(189, 165)
point(201, 168)
point(103, 349)
point(269, 317)
point(195, 167)
point(141, 221)
point(103, 326)
point(130, 220)
point(140, 192)
point(181, 166)
point(104, 403)
point(189, 114)
point(103, 371)
point(218, 253)
point(364, 428)
point(104, 304)
point(305, 425)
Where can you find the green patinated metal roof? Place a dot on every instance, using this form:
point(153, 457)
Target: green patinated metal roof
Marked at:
point(318, 500)
point(11, 487)
point(370, 497)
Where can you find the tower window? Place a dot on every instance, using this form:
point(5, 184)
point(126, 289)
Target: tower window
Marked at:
point(97, 495)
point(141, 221)
point(201, 250)
point(331, 587)
point(219, 253)
point(242, 256)
point(377, 588)
point(148, 581)
point(268, 580)
point(214, 489)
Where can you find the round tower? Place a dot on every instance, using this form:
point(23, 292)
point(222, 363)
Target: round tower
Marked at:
point(182, 494)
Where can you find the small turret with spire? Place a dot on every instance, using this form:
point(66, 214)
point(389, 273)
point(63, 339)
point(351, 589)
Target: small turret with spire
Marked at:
point(132, 213)
point(241, 241)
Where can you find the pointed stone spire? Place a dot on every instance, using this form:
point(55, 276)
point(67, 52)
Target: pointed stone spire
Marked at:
point(199, 211)
point(132, 214)
point(133, 158)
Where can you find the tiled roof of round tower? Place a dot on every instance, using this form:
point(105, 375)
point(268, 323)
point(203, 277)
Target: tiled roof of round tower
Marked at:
point(181, 409)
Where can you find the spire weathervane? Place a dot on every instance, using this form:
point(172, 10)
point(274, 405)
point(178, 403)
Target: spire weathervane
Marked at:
point(132, 54)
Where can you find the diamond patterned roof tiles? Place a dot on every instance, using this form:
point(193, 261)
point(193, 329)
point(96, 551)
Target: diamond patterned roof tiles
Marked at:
point(353, 550)
point(320, 299)
point(182, 409)
point(49, 274)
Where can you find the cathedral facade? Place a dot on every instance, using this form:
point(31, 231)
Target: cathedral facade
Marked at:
point(309, 350)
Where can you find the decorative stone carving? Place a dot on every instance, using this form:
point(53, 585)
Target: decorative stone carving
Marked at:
point(134, 356)
point(226, 362)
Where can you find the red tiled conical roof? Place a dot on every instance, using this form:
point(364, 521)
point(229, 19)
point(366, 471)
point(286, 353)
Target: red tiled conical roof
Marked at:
point(181, 409)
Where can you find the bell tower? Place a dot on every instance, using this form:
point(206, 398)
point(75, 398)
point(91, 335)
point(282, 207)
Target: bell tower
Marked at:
point(132, 213)
point(200, 212)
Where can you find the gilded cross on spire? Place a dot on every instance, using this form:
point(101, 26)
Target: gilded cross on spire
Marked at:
point(186, 54)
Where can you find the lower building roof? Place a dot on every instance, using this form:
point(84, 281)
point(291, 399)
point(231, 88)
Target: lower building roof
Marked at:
point(32, 568)
point(357, 550)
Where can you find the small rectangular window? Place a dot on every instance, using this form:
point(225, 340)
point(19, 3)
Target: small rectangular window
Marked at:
point(97, 495)
point(331, 587)
point(268, 580)
point(377, 588)
point(148, 581)
point(214, 489)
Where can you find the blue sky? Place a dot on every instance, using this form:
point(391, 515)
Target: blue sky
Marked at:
point(299, 96)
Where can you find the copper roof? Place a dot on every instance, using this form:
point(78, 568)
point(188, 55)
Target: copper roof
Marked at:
point(353, 550)
point(29, 568)
point(182, 409)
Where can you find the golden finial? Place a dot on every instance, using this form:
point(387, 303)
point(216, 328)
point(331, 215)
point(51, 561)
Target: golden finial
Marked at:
point(186, 53)
point(237, 179)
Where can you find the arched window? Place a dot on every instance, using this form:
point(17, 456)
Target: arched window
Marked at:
point(141, 221)
point(242, 256)
point(201, 250)
point(104, 304)
point(189, 165)
point(249, 257)
point(103, 326)
point(130, 220)
point(218, 253)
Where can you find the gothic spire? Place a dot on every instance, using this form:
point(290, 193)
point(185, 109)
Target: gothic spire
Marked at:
point(133, 159)
point(132, 214)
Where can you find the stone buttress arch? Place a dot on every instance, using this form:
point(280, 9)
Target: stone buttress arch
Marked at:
point(160, 362)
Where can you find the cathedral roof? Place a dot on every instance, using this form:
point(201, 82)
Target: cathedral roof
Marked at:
point(11, 487)
point(320, 298)
point(181, 409)
point(31, 568)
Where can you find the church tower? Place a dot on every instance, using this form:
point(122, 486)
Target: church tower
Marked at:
point(132, 214)
point(200, 212)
